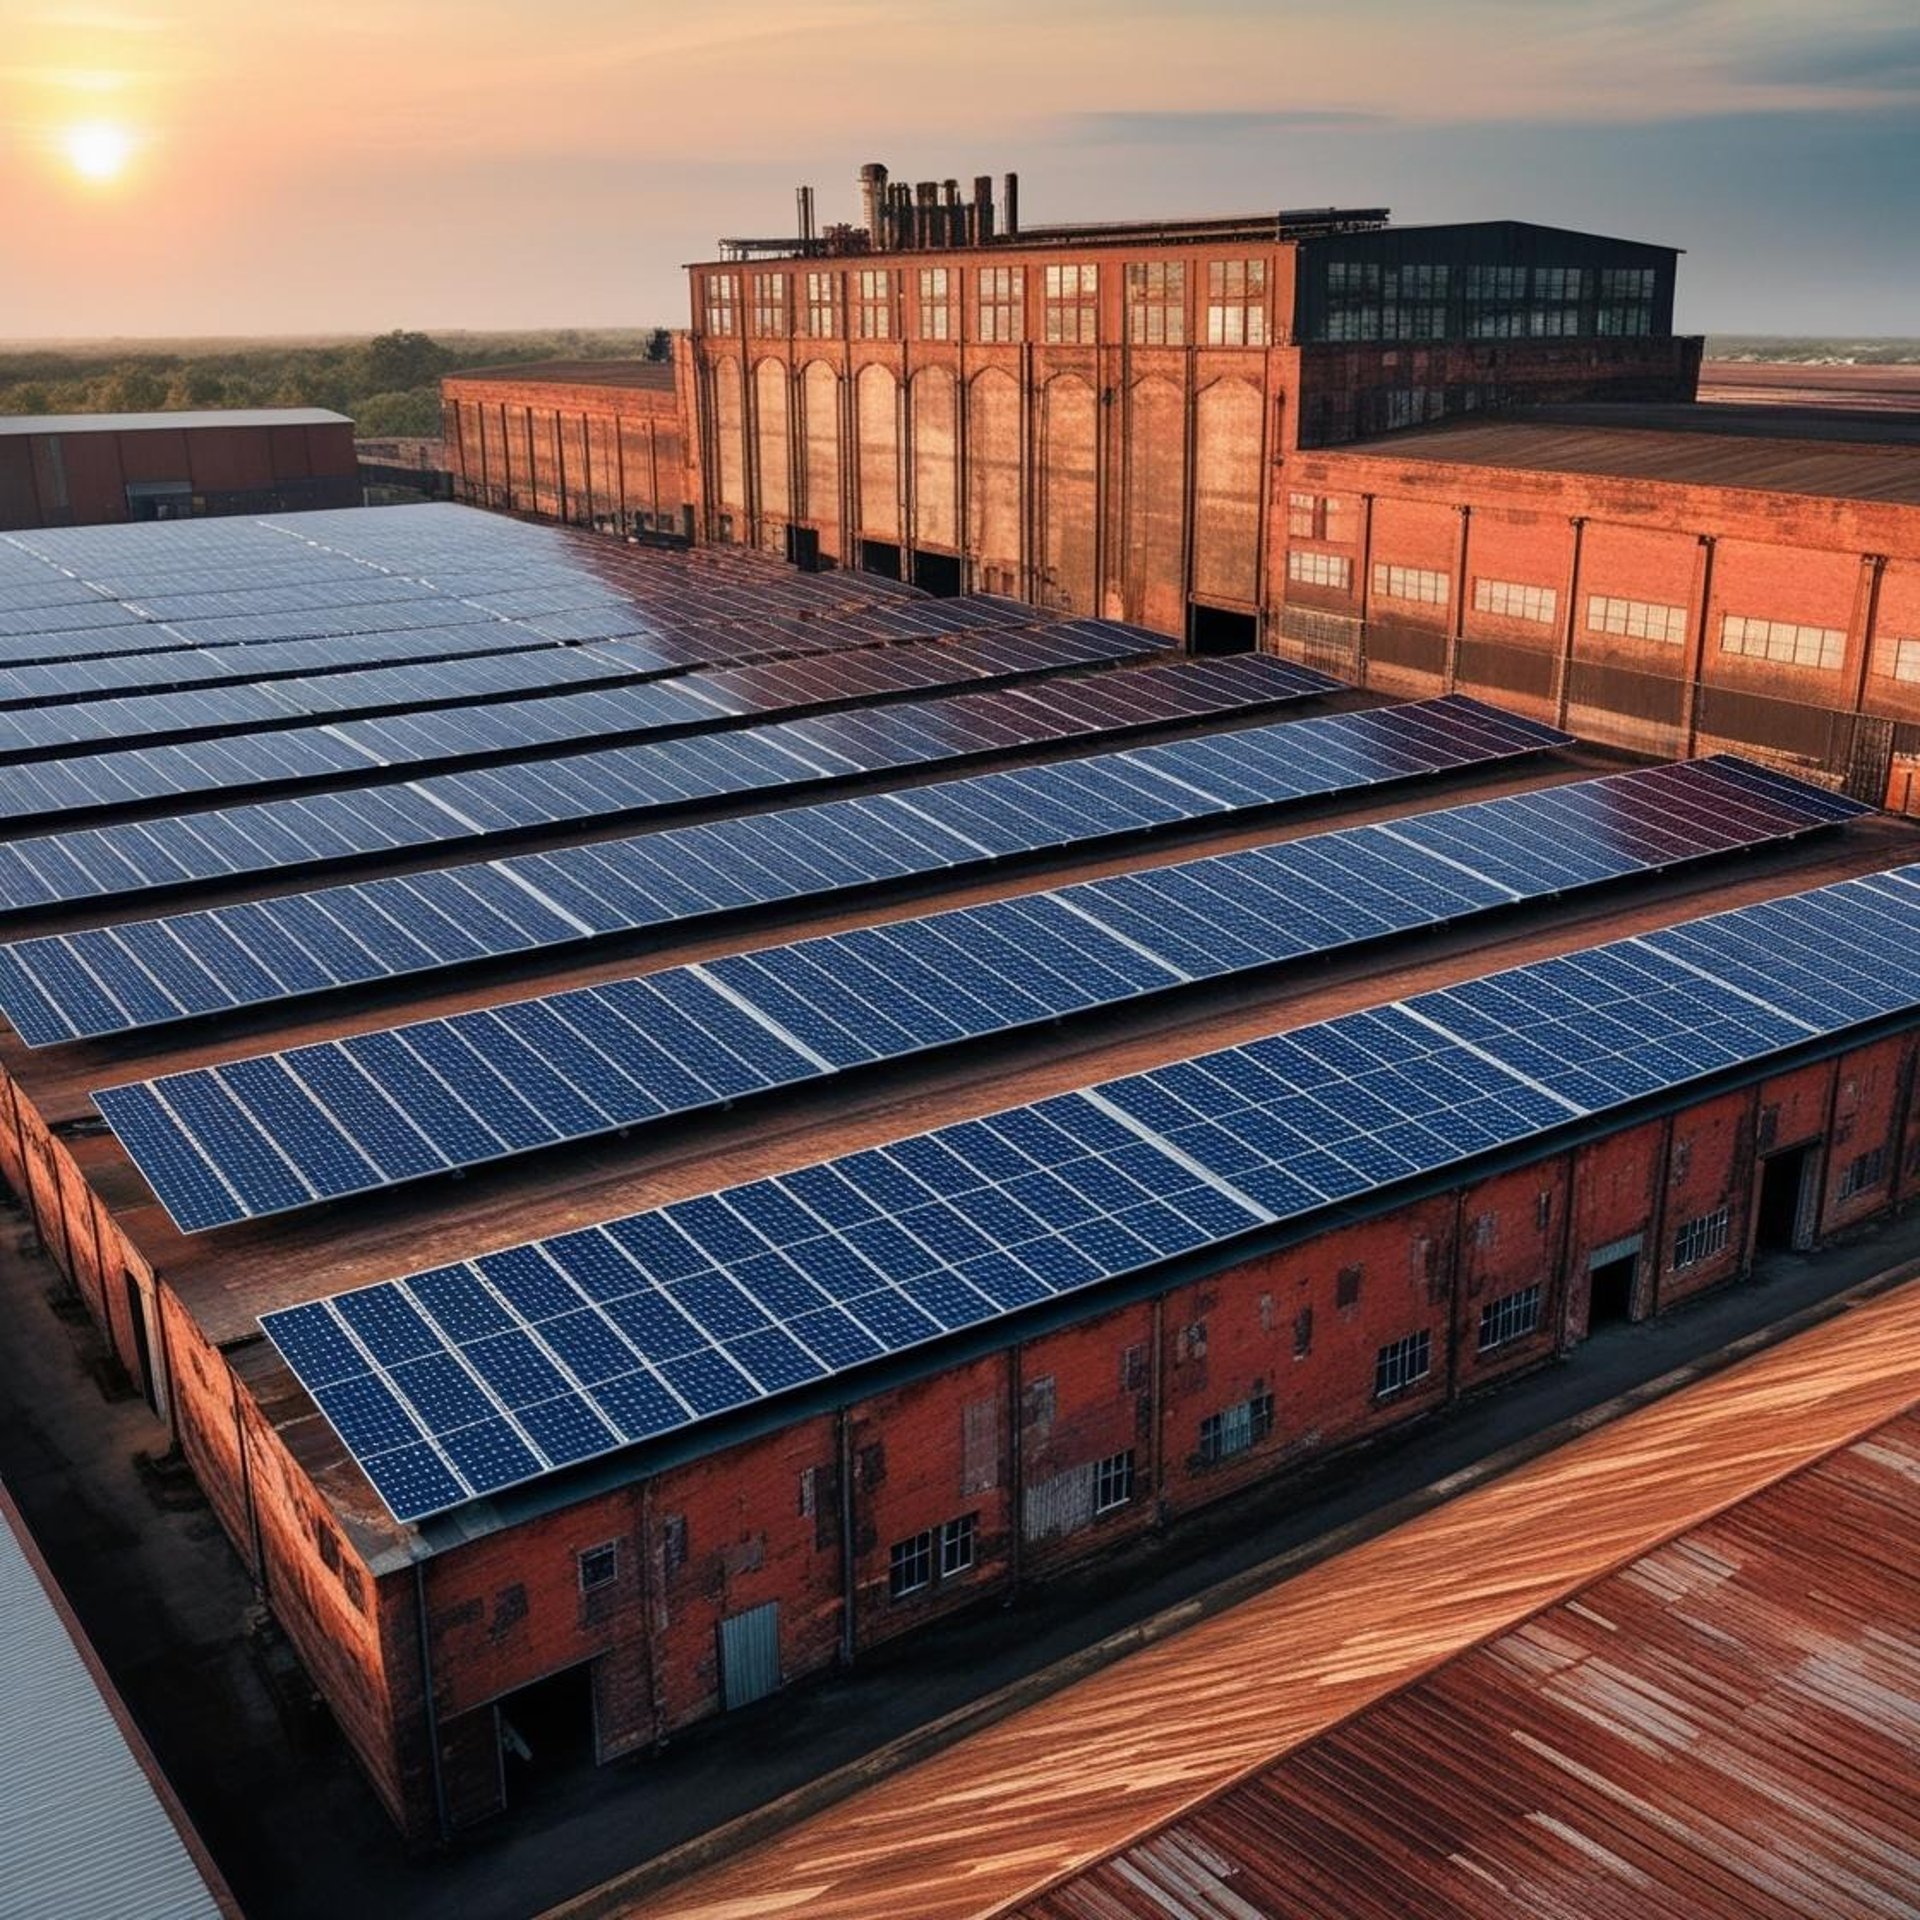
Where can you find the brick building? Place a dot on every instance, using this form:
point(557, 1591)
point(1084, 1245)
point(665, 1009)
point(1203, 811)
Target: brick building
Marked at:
point(594, 1609)
point(85, 469)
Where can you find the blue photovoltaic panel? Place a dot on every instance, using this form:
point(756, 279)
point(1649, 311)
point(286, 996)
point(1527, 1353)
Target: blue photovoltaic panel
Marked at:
point(140, 974)
point(460, 1382)
point(590, 1060)
point(274, 836)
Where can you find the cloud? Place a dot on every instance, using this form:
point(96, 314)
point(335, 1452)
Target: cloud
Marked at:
point(1206, 125)
point(1875, 63)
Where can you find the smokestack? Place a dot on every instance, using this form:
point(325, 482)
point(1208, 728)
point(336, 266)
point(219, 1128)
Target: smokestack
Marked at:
point(1010, 197)
point(873, 201)
point(803, 202)
point(982, 209)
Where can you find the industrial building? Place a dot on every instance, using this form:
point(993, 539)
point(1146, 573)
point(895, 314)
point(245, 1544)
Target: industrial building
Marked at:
point(1431, 459)
point(1124, 1079)
point(89, 469)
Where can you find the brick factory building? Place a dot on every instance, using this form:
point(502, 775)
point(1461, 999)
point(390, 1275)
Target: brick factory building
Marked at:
point(948, 939)
point(1428, 458)
point(89, 469)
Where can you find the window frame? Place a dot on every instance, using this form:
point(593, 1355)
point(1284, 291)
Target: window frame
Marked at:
point(587, 1558)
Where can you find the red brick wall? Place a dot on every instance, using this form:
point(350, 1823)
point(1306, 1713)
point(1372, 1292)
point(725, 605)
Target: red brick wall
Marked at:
point(1512, 1232)
point(1710, 1165)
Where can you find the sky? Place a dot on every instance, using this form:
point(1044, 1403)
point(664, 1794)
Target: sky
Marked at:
point(193, 167)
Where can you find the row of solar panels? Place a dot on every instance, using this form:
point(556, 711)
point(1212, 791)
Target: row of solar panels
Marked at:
point(66, 986)
point(283, 1130)
point(467, 1379)
point(90, 863)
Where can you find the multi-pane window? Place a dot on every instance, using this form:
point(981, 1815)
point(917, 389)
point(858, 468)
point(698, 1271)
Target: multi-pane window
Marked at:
point(723, 303)
point(1867, 1170)
point(1515, 601)
point(769, 304)
point(1781, 640)
point(1369, 301)
point(1236, 303)
point(1700, 1238)
point(956, 1544)
point(1113, 1482)
point(599, 1566)
point(1002, 293)
point(1419, 584)
point(1906, 659)
point(1626, 300)
point(1636, 619)
point(823, 306)
point(1320, 569)
point(910, 1564)
point(873, 304)
point(1072, 304)
point(936, 303)
point(1307, 515)
point(1234, 1429)
point(1512, 1317)
point(1157, 303)
point(1402, 1362)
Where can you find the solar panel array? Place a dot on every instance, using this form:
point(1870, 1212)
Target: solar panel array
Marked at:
point(443, 731)
point(284, 1130)
point(90, 863)
point(138, 974)
point(467, 1379)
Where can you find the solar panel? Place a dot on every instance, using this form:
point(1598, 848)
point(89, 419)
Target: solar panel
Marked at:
point(111, 979)
point(842, 1001)
point(122, 860)
point(464, 1380)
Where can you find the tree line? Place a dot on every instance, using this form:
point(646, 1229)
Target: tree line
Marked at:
point(389, 385)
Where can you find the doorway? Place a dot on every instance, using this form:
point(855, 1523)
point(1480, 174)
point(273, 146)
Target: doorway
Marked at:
point(1784, 1219)
point(1217, 630)
point(937, 573)
point(881, 557)
point(142, 1339)
point(803, 548)
point(546, 1730)
point(1610, 1291)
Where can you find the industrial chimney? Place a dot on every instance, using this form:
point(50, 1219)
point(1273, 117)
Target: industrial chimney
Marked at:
point(873, 202)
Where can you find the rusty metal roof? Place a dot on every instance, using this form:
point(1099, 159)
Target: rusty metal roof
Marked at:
point(654, 376)
point(1856, 456)
point(1725, 1726)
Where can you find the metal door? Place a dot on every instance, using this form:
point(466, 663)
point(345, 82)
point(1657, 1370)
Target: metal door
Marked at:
point(750, 1654)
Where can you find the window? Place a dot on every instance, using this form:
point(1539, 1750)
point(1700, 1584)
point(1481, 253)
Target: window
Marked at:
point(1236, 303)
point(769, 304)
point(1419, 584)
point(1782, 641)
point(873, 308)
point(1133, 1369)
point(1307, 515)
point(1402, 1362)
point(1113, 1482)
point(599, 1566)
point(1637, 619)
point(673, 1542)
point(823, 306)
point(1002, 296)
point(936, 303)
point(910, 1565)
point(1906, 659)
point(1516, 602)
point(1234, 1429)
point(1867, 1171)
point(1346, 1286)
point(1157, 303)
point(1512, 1317)
point(1700, 1239)
point(1303, 1333)
point(1626, 283)
point(723, 303)
point(1072, 304)
point(956, 1545)
point(1320, 569)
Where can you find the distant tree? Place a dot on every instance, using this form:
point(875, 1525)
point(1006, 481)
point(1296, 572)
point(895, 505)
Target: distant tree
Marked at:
point(398, 416)
point(201, 386)
point(30, 396)
point(660, 344)
point(396, 362)
point(135, 390)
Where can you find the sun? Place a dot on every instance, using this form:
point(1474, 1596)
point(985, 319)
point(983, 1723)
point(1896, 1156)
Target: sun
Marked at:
point(98, 150)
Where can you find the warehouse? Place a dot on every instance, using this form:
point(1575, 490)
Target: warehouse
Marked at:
point(751, 871)
point(87, 469)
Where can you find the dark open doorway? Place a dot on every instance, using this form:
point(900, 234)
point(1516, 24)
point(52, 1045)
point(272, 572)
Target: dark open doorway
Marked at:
point(881, 557)
point(1212, 630)
point(937, 573)
point(803, 548)
point(1782, 1221)
point(142, 1345)
point(1610, 1291)
point(546, 1730)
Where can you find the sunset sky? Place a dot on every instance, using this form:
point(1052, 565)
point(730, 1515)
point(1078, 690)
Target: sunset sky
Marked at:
point(267, 166)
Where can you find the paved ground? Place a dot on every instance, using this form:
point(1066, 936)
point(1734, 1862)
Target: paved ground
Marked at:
point(277, 1798)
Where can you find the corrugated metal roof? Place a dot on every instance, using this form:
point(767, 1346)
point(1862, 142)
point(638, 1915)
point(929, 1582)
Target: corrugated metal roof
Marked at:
point(22, 423)
point(650, 375)
point(1726, 1726)
point(84, 1833)
point(1863, 457)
